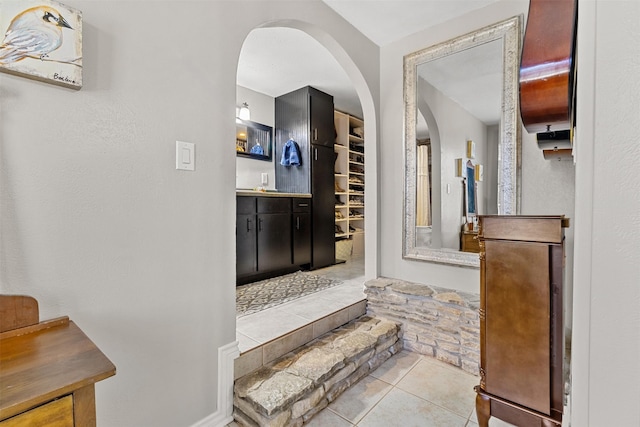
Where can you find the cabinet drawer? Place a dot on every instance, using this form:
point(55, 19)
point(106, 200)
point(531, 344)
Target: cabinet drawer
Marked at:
point(301, 205)
point(245, 205)
point(274, 205)
point(58, 413)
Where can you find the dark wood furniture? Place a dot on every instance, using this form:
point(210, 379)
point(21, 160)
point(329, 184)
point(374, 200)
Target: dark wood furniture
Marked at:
point(273, 236)
point(47, 370)
point(521, 320)
point(306, 116)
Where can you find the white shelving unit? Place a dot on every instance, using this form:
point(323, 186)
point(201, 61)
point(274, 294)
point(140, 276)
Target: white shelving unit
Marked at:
point(349, 179)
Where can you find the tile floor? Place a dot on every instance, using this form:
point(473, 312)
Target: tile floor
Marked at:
point(259, 328)
point(408, 390)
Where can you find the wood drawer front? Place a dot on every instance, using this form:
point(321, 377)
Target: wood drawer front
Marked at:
point(58, 413)
point(527, 229)
point(245, 205)
point(274, 205)
point(301, 205)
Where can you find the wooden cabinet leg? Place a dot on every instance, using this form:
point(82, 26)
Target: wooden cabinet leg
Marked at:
point(84, 406)
point(483, 410)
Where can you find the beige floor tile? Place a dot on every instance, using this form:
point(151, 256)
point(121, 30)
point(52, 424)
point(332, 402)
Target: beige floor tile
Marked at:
point(442, 384)
point(354, 403)
point(282, 345)
point(245, 343)
point(313, 307)
point(269, 324)
point(328, 418)
point(394, 369)
point(247, 362)
point(330, 322)
point(401, 409)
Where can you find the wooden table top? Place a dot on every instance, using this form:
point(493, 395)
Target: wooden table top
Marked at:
point(42, 362)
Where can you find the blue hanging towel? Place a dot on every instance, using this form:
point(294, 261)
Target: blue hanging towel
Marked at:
point(257, 149)
point(291, 154)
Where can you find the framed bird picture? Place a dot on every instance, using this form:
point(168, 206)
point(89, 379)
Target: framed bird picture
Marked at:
point(41, 39)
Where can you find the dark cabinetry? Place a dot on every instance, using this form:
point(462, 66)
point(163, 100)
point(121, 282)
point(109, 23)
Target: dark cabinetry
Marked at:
point(246, 236)
point(274, 233)
point(521, 320)
point(273, 236)
point(301, 231)
point(306, 116)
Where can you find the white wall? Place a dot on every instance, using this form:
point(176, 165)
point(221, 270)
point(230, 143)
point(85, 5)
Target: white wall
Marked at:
point(249, 171)
point(97, 224)
point(606, 327)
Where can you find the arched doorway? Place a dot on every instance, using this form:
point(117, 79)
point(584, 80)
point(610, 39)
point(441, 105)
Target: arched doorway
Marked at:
point(286, 78)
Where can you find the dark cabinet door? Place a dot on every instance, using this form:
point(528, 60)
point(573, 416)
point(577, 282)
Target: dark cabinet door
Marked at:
point(322, 187)
point(246, 261)
point(274, 241)
point(301, 238)
point(323, 131)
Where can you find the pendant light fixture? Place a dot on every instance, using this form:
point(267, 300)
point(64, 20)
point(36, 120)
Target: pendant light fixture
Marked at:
point(244, 113)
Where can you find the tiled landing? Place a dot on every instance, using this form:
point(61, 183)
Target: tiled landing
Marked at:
point(407, 390)
point(271, 333)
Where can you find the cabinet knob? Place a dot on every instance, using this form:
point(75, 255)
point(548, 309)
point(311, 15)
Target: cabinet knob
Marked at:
point(248, 224)
point(297, 223)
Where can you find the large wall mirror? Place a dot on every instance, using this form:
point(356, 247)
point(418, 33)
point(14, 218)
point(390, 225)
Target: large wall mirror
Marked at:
point(462, 140)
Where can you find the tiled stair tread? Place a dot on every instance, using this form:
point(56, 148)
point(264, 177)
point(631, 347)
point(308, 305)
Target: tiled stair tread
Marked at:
point(289, 389)
point(255, 357)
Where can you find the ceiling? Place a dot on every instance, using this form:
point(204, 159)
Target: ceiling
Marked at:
point(275, 61)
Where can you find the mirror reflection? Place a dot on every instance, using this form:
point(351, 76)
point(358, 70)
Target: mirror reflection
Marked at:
point(253, 140)
point(461, 141)
point(460, 95)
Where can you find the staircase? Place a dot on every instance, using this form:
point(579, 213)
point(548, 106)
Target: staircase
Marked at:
point(292, 389)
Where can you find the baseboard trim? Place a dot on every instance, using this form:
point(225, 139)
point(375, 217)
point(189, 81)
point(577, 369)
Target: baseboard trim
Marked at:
point(224, 412)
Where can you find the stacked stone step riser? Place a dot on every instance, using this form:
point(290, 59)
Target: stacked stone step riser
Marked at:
point(290, 391)
point(437, 322)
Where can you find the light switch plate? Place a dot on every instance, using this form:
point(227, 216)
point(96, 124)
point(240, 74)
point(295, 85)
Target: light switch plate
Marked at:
point(185, 156)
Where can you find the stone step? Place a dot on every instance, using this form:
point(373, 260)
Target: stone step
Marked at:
point(293, 388)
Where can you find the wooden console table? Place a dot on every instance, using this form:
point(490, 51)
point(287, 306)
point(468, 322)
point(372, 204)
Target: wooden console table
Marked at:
point(47, 373)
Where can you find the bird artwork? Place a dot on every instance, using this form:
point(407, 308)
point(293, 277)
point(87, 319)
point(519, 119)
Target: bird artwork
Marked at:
point(33, 41)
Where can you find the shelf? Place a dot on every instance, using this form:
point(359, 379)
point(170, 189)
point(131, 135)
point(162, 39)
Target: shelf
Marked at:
point(350, 157)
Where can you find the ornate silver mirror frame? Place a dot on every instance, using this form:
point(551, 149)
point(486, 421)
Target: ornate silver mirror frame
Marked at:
point(509, 31)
